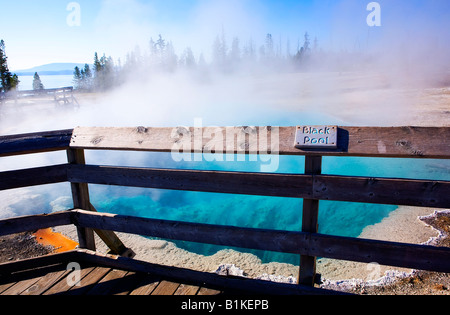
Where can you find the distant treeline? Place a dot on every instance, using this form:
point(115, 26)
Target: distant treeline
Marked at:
point(239, 57)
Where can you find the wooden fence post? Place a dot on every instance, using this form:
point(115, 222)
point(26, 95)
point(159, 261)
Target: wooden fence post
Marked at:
point(80, 195)
point(313, 166)
point(81, 200)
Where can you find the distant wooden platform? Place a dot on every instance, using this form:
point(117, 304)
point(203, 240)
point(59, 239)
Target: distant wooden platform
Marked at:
point(113, 275)
point(61, 96)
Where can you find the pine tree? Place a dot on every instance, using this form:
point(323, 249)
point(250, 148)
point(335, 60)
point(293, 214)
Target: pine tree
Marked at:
point(97, 64)
point(14, 82)
point(220, 51)
point(188, 58)
point(37, 83)
point(307, 43)
point(270, 52)
point(87, 77)
point(77, 77)
point(8, 81)
point(104, 76)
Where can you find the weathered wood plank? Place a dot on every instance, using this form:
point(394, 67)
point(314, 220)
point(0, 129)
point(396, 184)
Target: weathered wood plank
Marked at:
point(166, 288)
point(310, 221)
point(6, 286)
point(282, 185)
point(33, 223)
point(127, 284)
point(45, 283)
point(87, 283)
point(424, 193)
point(107, 283)
point(20, 286)
point(185, 289)
point(64, 286)
point(35, 142)
point(116, 246)
point(7, 269)
point(405, 142)
point(316, 245)
point(192, 277)
point(391, 191)
point(81, 199)
point(33, 177)
point(206, 292)
point(146, 286)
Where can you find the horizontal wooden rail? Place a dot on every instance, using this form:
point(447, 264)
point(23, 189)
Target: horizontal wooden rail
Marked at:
point(33, 177)
point(44, 91)
point(388, 191)
point(322, 187)
point(235, 284)
point(399, 142)
point(204, 181)
point(34, 93)
point(34, 222)
point(35, 142)
point(343, 248)
point(395, 142)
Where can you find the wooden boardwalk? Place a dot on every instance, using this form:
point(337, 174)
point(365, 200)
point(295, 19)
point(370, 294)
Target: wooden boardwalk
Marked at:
point(84, 272)
point(57, 280)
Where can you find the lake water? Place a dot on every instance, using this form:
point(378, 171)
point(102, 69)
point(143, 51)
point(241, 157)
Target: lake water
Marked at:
point(49, 81)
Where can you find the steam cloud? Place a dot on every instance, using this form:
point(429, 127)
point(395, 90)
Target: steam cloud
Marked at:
point(359, 75)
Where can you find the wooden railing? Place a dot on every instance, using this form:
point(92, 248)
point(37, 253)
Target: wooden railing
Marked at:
point(310, 185)
point(63, 94)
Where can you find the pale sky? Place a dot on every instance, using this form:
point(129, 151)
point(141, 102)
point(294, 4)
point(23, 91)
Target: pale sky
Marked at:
point(37, 32)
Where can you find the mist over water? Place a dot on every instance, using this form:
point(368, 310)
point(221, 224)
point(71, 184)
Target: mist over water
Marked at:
point(375, 84)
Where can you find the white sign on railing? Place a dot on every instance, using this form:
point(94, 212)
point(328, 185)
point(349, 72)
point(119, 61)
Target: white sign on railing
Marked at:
point(316, 137)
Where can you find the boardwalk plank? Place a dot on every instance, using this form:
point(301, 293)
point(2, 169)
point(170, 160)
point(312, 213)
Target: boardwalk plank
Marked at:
point(45, 282)
point(166, 288)
point(20, 286)
point(107, 283)
point(146, 286)
point(6, 286)
point(185, 289)
point(206, 291)
point(89, 276)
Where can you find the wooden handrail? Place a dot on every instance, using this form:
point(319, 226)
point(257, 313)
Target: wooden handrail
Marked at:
point(398, 142)
point(33, 177)
point(35, 142)
point(391, 191)
point(21, 93)
point(394, 142)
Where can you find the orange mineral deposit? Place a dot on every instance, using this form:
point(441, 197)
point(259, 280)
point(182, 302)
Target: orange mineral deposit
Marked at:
point(61, 243)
